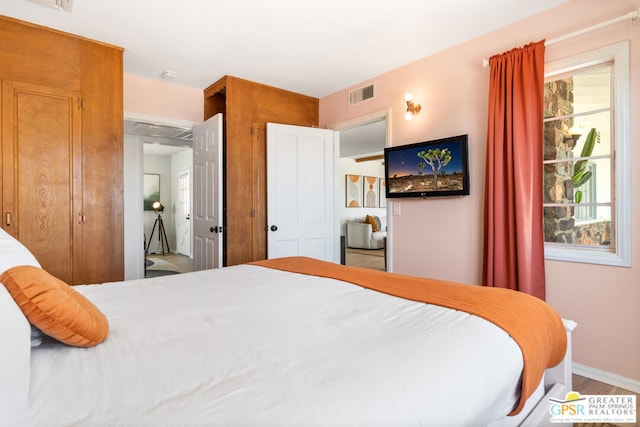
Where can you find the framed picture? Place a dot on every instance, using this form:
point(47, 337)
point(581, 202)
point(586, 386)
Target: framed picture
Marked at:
point(382, 184)
point(151, 188)
point(353, 191)
point(370, 191)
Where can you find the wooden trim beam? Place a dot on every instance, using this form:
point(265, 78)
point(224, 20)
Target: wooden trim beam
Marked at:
point(370, 158)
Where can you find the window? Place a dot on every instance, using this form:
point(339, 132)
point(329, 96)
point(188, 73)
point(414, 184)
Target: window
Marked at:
point(586, 211)
point(184, 195)
point(578, 139)
point(586, 199)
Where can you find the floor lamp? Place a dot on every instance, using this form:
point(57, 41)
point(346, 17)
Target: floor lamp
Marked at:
point(162, 235)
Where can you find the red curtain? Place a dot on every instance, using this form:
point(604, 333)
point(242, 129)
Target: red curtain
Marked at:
point(513, 229)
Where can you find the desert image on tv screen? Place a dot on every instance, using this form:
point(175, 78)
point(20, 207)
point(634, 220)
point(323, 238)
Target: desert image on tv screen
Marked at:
point(426, 168)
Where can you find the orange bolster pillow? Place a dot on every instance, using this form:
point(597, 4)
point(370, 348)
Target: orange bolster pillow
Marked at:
point(54, 307)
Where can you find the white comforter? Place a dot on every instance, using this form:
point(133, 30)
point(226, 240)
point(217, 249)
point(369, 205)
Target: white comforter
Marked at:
point(250, 346)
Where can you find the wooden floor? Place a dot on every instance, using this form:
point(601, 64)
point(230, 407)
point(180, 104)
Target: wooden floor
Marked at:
point(586, 386)
point(365, 261)
point(172, 262)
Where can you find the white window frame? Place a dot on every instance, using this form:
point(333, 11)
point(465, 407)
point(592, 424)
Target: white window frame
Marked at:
point(620, 253)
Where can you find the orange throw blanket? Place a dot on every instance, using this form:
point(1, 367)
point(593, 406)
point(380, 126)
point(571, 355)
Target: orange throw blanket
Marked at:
point(534, 325)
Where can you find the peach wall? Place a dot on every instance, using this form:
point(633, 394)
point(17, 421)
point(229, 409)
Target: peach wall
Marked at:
point(442, 237)
point(162, 99)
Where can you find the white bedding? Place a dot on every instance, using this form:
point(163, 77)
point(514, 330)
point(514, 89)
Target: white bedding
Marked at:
point(251, 346)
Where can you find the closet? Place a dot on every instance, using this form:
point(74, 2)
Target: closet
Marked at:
point(247, 107)
point(61, 150)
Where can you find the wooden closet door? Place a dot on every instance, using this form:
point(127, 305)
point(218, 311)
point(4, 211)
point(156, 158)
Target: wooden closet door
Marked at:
point(102, 257)
point(42, 195)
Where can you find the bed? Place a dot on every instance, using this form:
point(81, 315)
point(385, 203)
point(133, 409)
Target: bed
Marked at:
point(285, 342)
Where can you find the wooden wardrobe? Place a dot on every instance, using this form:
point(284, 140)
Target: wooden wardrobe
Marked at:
point(61, 150)
point(247, 107)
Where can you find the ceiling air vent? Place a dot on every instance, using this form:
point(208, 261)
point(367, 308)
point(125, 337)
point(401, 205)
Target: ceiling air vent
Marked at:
point(64, 5)
point(361, 94)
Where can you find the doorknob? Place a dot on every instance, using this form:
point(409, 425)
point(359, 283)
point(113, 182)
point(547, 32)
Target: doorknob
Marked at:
point(274, 228)
point(214, 229)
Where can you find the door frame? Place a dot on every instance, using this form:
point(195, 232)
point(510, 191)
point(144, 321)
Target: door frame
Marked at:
point(361, 121)
point(176, 217)
point(132, 210)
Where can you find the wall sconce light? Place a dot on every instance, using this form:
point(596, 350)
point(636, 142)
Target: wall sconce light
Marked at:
point(413, 108)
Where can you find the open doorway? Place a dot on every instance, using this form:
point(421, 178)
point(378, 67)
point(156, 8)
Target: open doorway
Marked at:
point(163, 152)
point(364, 225)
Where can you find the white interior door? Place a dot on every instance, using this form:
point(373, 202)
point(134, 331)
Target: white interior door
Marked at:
point(207, 199)
point(183, 213)
point(301, 186)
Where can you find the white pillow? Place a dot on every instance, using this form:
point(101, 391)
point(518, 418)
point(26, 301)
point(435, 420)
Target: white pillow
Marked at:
point(36, 336)
point(15, 354)
point(14, 253)
point(16, 339)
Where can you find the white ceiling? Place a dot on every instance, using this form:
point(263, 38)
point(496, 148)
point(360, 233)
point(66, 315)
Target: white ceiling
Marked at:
point(308, 46)
point(160, 140)
point(156, 149)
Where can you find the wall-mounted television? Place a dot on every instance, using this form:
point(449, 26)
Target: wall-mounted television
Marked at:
point(428, 169)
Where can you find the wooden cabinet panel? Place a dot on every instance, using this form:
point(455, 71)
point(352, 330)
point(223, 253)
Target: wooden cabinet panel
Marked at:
point(31, 53)
point(84, 76)
point(41, 139)
point(259, 160)
point(103, 162)
point(248, 106)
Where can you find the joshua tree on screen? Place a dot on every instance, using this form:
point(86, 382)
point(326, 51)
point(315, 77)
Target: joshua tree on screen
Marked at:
point(437, 159)
point(421, 167)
